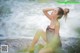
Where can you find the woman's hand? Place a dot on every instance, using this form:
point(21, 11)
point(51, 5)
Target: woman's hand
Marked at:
point(45, 11)
point(48, 9)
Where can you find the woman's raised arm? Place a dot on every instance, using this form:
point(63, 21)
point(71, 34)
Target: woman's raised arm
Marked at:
point(45, 11)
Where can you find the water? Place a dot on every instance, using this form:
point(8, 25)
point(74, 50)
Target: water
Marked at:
point(22, 18)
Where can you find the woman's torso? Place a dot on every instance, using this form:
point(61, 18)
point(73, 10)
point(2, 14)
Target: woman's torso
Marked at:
point(50, 31)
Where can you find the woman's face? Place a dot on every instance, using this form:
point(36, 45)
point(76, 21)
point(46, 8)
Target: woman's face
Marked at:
point(54, 13)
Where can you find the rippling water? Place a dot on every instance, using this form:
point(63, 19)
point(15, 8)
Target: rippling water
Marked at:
point(22, 18)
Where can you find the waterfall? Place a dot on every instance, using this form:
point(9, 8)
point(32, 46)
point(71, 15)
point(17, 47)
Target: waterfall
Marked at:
point(22, 18)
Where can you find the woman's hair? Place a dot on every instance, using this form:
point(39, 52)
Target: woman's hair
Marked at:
point(66, 13)
point(61, 12)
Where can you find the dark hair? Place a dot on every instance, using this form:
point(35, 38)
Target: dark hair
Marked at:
point(65, 14)
point(60, 12)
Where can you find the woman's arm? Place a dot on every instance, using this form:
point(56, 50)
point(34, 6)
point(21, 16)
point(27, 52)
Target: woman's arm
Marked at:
point(45, 11)
point(48, 9)
point(57, 27)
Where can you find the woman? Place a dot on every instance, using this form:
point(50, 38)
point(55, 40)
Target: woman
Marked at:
point(51, 36)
